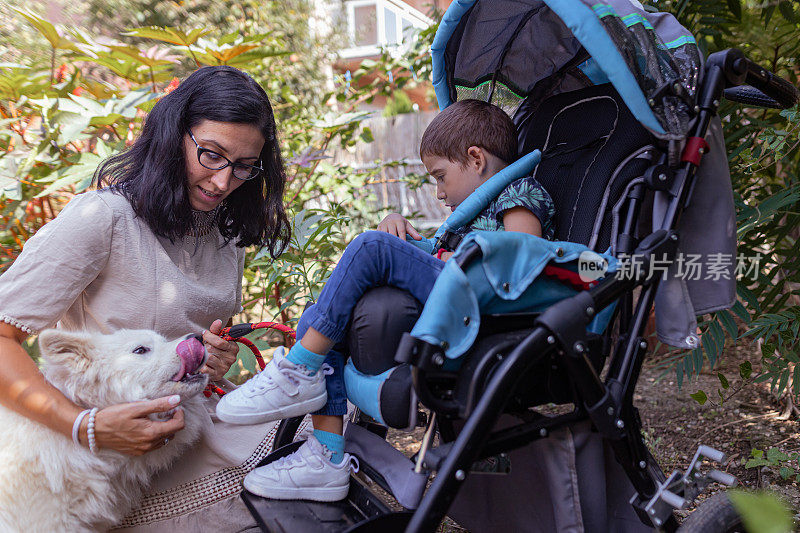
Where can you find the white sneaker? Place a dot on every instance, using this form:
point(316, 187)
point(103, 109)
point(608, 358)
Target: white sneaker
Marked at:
point(307, 474)
point(281, 390)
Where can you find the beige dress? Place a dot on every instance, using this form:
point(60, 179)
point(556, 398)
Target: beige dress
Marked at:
point(98, 267)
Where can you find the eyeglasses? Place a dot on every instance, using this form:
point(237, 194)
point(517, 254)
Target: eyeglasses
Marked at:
point(214, 161)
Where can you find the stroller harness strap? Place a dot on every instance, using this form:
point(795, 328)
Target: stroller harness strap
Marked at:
point(488, 191)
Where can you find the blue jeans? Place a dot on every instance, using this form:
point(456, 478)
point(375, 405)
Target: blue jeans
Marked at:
point(373, 259)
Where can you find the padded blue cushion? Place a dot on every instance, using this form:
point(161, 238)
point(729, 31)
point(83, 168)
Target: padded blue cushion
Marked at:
point(505, 279)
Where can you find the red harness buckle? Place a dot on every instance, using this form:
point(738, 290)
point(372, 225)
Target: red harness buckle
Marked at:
point(694, 150)
point(568, 276)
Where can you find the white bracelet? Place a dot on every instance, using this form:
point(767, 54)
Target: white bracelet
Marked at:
point(90, 431)
point(76, 426)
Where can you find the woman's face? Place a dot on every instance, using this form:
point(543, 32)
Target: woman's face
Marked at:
point(240, 143)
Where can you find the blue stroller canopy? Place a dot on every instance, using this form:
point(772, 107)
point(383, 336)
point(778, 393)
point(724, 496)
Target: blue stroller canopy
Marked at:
point(509, 51)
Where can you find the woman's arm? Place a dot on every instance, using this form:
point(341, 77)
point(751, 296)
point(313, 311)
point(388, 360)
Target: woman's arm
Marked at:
point(23, 388)
point(123, 427)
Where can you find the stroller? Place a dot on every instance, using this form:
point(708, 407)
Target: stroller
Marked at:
point(616, 115)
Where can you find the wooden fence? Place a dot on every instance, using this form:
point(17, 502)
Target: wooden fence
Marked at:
point(397, 139)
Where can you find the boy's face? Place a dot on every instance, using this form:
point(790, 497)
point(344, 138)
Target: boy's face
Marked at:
point(454, 182)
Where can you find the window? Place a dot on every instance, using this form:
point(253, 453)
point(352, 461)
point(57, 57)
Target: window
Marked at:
point(373, 24)
point(390, 26)
point(365, 25)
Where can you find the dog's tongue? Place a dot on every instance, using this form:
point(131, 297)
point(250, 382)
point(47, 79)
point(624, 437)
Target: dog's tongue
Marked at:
point(191, 353)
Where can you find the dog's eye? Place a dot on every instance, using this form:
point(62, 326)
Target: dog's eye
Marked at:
point(141, 350)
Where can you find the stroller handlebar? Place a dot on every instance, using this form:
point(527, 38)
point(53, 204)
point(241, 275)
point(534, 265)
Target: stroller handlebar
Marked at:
point(749, 95)
point(751, 84)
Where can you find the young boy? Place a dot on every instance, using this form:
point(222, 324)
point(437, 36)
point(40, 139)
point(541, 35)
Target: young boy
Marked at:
point(464, 145)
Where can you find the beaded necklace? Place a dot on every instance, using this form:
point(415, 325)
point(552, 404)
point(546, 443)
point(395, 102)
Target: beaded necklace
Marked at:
point(203, 224)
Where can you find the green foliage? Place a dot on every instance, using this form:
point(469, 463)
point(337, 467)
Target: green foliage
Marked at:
point(317, 241)
point(64, 111)
point(762, 512)
point(398, 104)
point(776, 460)
point(763, 156)
point(700, 397)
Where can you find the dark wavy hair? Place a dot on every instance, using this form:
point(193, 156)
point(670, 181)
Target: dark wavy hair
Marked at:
point(151, 174)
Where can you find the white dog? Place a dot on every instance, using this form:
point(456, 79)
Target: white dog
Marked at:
point(48, 483)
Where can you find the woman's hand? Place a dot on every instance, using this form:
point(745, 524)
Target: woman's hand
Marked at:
point(127, 428)
point(221, 353)
point(395, 224)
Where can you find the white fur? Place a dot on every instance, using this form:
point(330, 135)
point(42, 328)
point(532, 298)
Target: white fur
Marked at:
point(48, 483)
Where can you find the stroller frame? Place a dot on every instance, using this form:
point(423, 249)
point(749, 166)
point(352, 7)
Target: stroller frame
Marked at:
point(560, 332)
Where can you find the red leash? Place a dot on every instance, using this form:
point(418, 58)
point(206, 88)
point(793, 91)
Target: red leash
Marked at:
point(237, 333)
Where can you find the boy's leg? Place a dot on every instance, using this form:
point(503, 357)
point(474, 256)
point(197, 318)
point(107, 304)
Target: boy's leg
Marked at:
point(328, 421)
point(379, 321)
point(375, 383)
point(373, 259)
point(316, 470)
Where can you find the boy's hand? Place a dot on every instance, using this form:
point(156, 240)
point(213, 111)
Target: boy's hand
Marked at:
point(395, 224)
point(446, 255)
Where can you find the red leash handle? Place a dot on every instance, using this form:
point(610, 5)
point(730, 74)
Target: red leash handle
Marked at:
point(277, 326)
point(237, 333)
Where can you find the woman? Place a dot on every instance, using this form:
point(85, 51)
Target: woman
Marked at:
point(161, 248)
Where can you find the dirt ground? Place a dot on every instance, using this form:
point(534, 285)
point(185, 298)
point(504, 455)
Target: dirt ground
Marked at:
point(750, 418)
point(675, 424)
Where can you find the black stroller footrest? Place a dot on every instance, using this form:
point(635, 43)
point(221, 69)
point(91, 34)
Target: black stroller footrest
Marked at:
point(386, 465)
point(359, 511)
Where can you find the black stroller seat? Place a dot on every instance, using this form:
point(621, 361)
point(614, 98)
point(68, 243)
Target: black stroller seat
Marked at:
point(592, 149)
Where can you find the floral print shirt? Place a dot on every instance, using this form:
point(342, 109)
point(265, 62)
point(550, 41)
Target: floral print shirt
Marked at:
point(523, 192)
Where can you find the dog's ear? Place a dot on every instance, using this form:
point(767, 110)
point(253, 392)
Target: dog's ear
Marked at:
point(60, 347)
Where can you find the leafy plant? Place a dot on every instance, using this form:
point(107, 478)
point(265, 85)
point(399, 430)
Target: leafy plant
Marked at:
point(775, 460)
point(726, 392)
point(762, 147)
point(762, 512)
point(63, 112)
point(397, 104)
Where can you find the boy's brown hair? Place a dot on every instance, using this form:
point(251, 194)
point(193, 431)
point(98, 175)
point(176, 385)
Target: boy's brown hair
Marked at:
point(470, 123)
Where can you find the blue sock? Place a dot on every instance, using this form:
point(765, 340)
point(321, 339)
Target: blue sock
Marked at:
point(332, 441)
point(300, 355)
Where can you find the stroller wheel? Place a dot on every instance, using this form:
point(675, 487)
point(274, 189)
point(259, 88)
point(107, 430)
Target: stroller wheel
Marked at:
point(715, 515)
